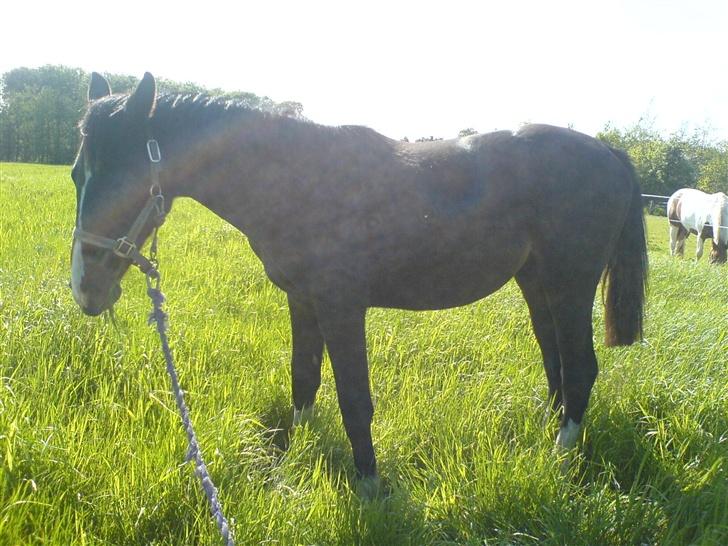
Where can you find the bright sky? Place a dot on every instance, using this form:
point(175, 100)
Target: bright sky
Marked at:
point(409, 68)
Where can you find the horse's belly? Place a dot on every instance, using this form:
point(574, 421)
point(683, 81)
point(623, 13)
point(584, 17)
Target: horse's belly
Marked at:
point(447, 281)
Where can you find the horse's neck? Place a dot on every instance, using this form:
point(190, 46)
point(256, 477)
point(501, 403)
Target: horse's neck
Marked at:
point(239, 170)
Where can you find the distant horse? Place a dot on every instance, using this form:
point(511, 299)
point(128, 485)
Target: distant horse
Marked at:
point(345, 219)
point(705, 215)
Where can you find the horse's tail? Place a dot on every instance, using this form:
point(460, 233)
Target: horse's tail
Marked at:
point(672, 208)
point(720, 219)
point(719, 253)
point(625, 278)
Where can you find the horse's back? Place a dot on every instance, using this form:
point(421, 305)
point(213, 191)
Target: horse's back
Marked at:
point(691, 209)
point(579, 190)
point(479, 206)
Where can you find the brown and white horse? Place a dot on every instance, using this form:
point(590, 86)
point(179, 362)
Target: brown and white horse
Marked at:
point(705, 215)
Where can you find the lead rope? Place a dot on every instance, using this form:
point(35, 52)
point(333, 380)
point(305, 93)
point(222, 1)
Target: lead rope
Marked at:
point(160, 318)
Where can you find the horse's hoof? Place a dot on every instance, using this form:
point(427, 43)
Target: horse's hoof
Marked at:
point(369, 488)
point(302, 416)
point(565, 464)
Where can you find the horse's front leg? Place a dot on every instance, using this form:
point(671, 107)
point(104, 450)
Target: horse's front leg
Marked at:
point(342, 326)
point(699, 247)
point(308, 346)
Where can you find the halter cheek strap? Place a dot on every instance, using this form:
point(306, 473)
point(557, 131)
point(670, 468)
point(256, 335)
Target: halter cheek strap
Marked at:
point(126, 247)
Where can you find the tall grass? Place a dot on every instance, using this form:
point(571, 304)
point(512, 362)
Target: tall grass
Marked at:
point(91, 448)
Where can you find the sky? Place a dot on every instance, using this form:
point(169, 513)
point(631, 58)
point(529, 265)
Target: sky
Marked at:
point(410, 68)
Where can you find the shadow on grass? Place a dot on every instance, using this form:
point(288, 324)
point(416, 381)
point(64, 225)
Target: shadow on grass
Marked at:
point(682, 476)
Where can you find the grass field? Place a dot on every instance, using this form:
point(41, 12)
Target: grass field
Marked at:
point(91, 447)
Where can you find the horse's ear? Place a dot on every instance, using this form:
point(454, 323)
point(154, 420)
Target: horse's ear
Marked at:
point(140, 104)
point(98, 87)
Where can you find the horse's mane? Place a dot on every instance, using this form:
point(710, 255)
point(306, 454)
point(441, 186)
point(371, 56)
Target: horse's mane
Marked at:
point(200, 107)
point(181, 113)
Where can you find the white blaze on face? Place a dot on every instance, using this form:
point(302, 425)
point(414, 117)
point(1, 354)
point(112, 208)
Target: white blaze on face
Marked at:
point(77, 266)
point(77, 274)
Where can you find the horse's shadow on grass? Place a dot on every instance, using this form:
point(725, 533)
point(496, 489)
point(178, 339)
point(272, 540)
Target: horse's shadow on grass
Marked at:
point(651, 470)
point(277, 420)
point(279, 433)
point(325, 440)
point(389, 517)
point(618, 443)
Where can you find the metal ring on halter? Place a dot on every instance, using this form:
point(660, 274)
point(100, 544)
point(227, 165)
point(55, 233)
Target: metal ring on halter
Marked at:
point(159, 209)
point(153, 275)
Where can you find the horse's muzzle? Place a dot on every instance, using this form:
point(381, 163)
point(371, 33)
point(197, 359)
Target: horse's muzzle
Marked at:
point(95, 306)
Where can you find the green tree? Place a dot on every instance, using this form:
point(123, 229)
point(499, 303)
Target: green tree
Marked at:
point(714, 173)
point(665, 165)
point(40, 108)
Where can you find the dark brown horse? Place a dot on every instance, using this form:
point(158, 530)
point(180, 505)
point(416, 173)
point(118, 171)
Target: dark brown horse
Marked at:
point(345, 219)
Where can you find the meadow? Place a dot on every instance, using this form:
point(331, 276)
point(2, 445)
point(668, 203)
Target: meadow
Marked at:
point(91, 448)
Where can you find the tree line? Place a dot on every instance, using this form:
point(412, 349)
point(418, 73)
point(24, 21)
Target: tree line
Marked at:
point(40, 107)
point(663, 164)
point(666, 164)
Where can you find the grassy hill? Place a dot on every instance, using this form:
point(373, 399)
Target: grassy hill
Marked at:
point(91, 448)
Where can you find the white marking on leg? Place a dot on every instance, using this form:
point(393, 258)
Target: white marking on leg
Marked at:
point(568, 435)
point(302, 416)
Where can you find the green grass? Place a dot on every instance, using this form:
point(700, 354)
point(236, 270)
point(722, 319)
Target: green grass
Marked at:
point(91, 448)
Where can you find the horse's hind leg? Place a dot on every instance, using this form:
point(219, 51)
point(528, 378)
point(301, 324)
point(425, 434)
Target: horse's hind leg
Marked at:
point(680, 244)
point(543, 327)
point(342, 325)
point(674, 235)
point(308, 346)
point(571, 308)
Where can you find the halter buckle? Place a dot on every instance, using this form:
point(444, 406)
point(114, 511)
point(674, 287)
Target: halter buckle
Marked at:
point(155, 155)
point(124, 248)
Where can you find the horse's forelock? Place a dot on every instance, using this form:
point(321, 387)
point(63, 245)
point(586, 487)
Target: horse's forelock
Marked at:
point(100, 110)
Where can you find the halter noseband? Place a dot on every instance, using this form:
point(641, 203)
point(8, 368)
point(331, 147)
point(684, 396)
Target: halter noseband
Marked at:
point(126, 247)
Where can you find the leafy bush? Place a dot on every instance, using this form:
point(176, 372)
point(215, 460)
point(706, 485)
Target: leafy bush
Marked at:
point(665, 165)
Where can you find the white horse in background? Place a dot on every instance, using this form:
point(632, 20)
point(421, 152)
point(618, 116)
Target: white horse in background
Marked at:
point(705, 215)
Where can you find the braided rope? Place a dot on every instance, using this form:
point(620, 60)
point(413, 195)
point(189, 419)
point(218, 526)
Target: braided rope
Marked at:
point(160, 318)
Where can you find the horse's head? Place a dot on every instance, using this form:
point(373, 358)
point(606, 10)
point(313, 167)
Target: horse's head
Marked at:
point(719, 254)
point(113, 177)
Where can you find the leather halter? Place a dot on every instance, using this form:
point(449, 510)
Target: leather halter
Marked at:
point(126, 247)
